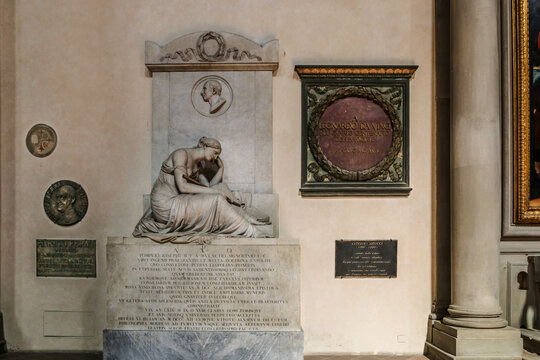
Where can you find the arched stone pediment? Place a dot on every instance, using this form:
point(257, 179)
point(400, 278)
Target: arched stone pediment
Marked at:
point(209, 50)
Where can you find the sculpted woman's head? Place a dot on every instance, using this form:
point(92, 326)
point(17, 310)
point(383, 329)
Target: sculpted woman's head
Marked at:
point(211, 146)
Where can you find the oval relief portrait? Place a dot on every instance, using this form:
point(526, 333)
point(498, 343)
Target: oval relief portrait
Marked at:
point(65, 202)
point(211, 96)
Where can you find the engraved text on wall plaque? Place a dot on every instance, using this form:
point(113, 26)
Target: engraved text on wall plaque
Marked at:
point(367, 258)
point(66, 258)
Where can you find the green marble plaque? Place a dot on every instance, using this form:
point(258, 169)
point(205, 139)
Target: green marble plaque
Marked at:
point(66, 258)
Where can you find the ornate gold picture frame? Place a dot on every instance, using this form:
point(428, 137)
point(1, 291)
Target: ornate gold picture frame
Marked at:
point(526, 110)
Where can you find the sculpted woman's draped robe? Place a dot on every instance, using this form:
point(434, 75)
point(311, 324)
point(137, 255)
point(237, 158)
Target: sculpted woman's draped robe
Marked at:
point(178, 214)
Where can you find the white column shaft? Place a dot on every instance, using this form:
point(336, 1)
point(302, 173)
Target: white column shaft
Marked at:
point(475, 163)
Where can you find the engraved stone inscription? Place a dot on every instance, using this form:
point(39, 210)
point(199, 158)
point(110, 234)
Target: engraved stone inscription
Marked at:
point(370, 258)
point(203, 288)
point(355, 133)
point(66, 258)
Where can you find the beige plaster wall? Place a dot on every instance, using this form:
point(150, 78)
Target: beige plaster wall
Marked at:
point(79, 67)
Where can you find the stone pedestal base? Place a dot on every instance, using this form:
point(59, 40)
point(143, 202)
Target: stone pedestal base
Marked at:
point(451, 342)
point(202, 345)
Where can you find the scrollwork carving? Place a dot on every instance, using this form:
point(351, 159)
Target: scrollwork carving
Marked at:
point(394, 96)
point(200, 52)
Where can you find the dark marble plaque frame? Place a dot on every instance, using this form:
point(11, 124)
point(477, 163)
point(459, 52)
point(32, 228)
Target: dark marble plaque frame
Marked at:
point(387, 87)
point(352, 255)
point(46, 247)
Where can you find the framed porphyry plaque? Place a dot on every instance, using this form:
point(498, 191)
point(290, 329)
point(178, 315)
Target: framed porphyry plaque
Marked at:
point(355, 130)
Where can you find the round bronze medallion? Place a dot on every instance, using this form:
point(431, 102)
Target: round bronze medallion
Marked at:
point(354, 134)
point(41, 140)
point(65, 202)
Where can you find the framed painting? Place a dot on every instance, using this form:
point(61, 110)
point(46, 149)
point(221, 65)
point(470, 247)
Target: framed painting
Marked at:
point(526, 110)
point(355, 130)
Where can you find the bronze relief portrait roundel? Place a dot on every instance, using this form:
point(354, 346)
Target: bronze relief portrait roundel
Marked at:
point(211, 96)
point(41, 140)
point(65, 203)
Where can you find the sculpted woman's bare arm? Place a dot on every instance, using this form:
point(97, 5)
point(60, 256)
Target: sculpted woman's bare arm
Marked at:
point(218, 177)
point(180, 164)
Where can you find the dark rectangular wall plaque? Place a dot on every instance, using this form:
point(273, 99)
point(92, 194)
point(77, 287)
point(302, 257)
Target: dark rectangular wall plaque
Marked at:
point(366, 258)
point(66, 258)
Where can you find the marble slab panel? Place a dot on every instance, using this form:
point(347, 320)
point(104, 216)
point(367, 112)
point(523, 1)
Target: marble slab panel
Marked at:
point(205, 345)
point(244, 130)
point(231, 284)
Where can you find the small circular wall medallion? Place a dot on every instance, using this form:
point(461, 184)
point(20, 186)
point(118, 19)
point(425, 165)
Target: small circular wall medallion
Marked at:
point(65, 202)
point(41, 140)
point(211, 96)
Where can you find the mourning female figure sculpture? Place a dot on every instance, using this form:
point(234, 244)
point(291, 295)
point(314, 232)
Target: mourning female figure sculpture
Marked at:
point(185, 202)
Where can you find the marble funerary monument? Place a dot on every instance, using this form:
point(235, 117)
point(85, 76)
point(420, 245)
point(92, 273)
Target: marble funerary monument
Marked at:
point(207, 276)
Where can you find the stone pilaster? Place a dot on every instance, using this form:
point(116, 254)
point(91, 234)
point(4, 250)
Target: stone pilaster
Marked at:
point(475, 329)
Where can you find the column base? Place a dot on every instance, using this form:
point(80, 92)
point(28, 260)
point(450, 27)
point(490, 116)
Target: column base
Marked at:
point(450, 342)
point(476, 323)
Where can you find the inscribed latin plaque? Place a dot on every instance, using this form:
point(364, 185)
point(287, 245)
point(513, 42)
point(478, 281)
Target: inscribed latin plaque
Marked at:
point(66, 258)
point(366, 258)
point(202, 288)
point(355, 133)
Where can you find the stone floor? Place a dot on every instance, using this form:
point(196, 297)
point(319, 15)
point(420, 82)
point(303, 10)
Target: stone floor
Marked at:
point(50, 356)
point(97, 356)
point(363, 357)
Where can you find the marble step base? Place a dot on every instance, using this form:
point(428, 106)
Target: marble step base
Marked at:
point(202, 345)
point(451, 342)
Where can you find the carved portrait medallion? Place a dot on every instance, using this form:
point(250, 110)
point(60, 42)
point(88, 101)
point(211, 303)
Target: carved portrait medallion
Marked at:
point(65, 203)
point(41, 140)
point(211, 96)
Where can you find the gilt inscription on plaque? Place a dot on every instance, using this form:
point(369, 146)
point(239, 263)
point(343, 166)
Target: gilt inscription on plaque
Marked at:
point(366, 258)
point(66, 258)
point(355, 133)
